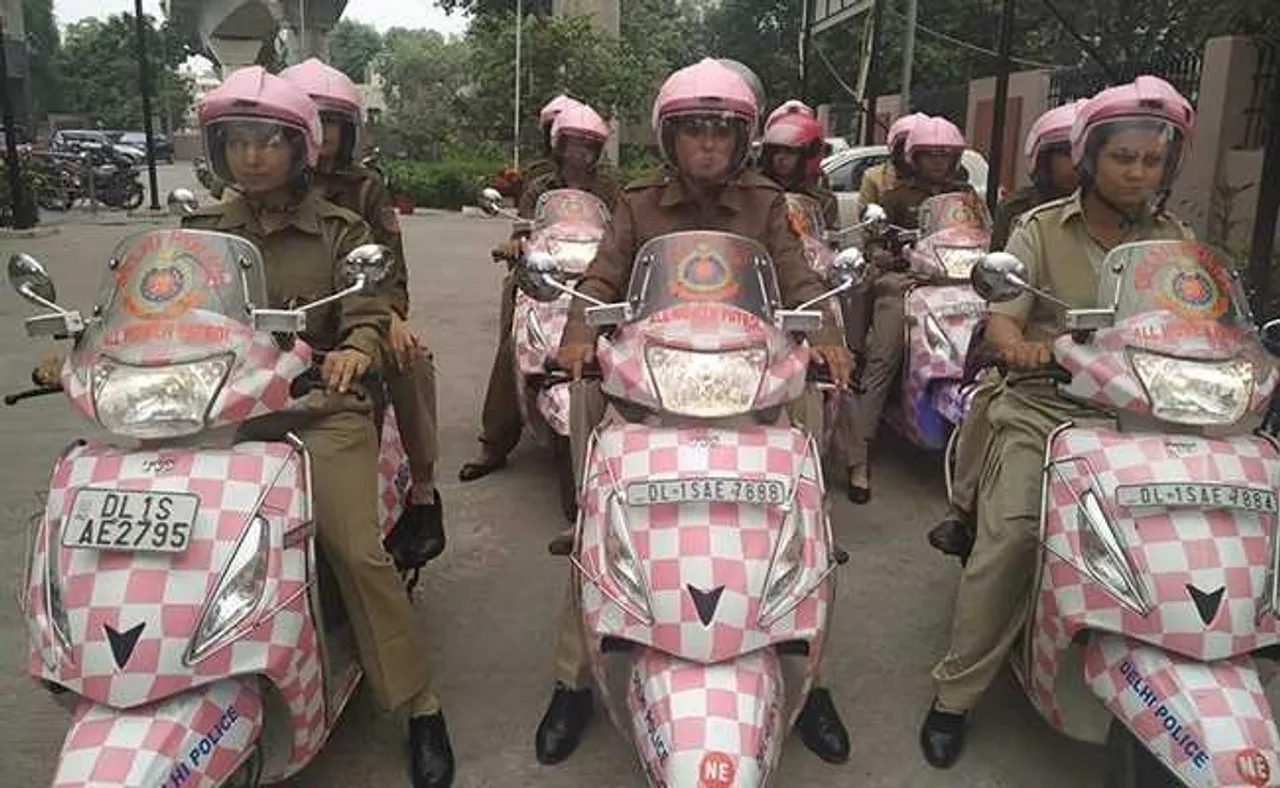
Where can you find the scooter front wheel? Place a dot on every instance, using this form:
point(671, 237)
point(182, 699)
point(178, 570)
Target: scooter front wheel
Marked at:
point(1129, 764)
point(249, 773)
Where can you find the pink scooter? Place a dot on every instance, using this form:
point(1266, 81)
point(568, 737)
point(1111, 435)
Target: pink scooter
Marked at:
point(1156, 593)
point(174, 594)
point(567, 226)
point(703, 552)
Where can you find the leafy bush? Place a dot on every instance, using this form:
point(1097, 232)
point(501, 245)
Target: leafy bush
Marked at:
point(448, 184)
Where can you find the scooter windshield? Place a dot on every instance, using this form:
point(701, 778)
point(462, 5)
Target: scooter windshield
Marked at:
point(171, 321)
point(570, 223)
point(703, 267)
point(954, 211)
point(805, 215)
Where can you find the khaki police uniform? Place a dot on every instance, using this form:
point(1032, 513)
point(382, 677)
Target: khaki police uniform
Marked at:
point(412, 389)
point(1063, 258)
point(303, 262)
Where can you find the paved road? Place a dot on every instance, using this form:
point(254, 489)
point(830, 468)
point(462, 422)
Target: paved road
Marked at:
point(491, 600)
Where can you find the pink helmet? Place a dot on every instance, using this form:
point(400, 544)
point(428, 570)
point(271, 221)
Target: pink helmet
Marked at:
point(1051, 128)
point(902, 127)
point(800, 132)
point(934, 134)
point(705, 88)
point(581, 121)
point(792, 107)
point(252, 94)
point(337, 98)
point(549, 111)
point(1146, 98)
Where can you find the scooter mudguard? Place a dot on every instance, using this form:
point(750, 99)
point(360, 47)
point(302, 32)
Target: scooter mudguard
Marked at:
point(708, 726)
point(1209, 722)
point(193, 740)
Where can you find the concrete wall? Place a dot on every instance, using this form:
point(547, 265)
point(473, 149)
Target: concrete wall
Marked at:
point(1032, 88)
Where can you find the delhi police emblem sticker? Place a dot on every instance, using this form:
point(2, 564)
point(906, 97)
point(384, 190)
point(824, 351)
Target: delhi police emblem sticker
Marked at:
point(705, 276)
point(165, 285)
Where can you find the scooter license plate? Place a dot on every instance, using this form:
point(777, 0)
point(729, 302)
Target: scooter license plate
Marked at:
point(148, 521)
point(1207, 496)
point(753, 491)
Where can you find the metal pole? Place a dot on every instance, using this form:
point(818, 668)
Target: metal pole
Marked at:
point(24, 215)
point(1264, 223)
point(806, 37)
point(515, 122)
point(873, 84)
point(908, 55)
point(1003, 66)
point(144, 77)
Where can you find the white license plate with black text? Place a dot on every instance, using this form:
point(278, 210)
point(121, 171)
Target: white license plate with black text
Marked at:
point(138, 520)
point(1208, 496)
point(756, 491)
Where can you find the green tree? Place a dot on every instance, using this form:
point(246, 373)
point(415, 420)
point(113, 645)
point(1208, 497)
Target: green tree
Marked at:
point(427, 83)
point(99, 67)
point(43, 48)
point(353, 46)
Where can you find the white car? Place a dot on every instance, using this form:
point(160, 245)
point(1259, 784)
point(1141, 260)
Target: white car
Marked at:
point(844, 172)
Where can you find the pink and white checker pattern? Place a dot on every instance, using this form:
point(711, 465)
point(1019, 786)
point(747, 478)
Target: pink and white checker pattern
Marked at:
point(704, 545)
point(955, 309)
point(1168, 548)
point(550, 407)
point(258, 383)
point(195, 739)
point(733, 710)
point(1211, 723)
point(393, 473)
point(708, 328)
point(1102, 373)
point(166, 592)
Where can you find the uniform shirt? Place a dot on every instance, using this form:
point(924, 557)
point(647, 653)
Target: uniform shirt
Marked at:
point(902, 203)
point(750, 205)
point(1063, 258)
point(878, 180)
point(304, 262)
point(603, 186)
point(363, 192)
point(1011, 207)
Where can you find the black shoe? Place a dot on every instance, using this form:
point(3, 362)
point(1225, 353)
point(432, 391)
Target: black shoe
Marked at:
point(561, 728)
point(478, 469)
point(430, 756)
point(942, 737)
point(953, 536)
point(427, 520)
point(857, 493)
point(821, 729)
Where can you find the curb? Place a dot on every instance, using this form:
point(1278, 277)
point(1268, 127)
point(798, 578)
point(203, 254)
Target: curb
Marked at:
point(33, 232)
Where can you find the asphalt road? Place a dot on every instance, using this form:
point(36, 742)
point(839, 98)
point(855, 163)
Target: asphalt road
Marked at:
point(490, 602)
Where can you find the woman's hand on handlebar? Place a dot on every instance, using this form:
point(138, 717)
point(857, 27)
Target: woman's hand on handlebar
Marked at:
point(1027, 355)
point(572, 357)
point(343, 366)
point(839, 362)
point(49, 371)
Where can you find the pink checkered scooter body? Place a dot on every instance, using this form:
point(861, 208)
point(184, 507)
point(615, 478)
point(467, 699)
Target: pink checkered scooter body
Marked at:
point(568, 225)
point(1156, 586)
point(703, 551)
point(942, 314)
point(173, 590)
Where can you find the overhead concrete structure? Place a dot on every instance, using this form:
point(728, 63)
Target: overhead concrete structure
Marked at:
point(233, 32)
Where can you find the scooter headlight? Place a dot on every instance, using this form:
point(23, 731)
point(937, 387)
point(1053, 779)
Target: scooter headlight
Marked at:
point(782, 584)
point(237, 593)
point(621, 563)
point(958, 261)
point(1104, 556)
point(703, 384)
point(1195, 392)
point(157, 402)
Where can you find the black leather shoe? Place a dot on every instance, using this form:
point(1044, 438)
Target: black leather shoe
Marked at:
point(561, 728)
point(478, 469)
point(430, 756)
point(857, 493)
point(953, 536)
point(427, 519)
point(821, 729)
point(942, 737)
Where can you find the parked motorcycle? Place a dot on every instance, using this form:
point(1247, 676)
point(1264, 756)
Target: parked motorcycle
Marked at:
point(703, 553)
point(110, 178)
point(1157, 594)
point(567, 227)
point(175, 595)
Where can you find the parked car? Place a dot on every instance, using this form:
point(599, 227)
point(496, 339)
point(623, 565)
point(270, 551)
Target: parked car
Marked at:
point(834, 145)
point(75, 140)
point(138, 139)
point(844, 171)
